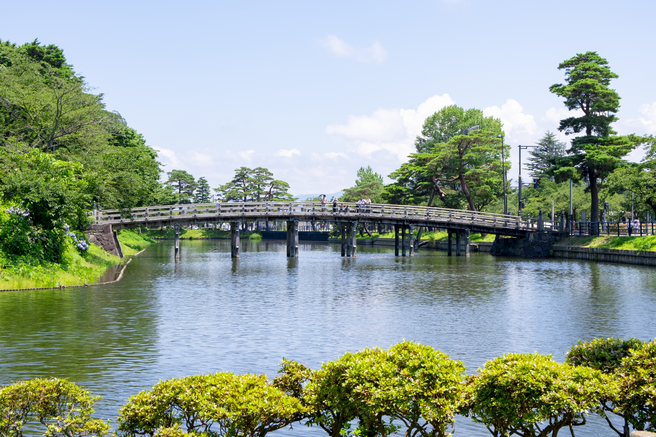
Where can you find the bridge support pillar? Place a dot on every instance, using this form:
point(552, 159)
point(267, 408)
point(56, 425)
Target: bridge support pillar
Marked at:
point(457, 243)
point(177, 241)
point(349, 238)
point(234, 240)
point(411, 244)
point(403, 242)
point(396, 240)
point(292, 239)
point(449, 234)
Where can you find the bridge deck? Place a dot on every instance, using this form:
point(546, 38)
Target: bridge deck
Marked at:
point(443, 218)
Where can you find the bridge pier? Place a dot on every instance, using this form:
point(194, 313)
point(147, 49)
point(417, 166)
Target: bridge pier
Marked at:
point(464, 234)
point(349, 233)
point(177, 241)
point(292, 238)
point(396, 240)
point(449, 233)
point(407, 245)
point(234, 239)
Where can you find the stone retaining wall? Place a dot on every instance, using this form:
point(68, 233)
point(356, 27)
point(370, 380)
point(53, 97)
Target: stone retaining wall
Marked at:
point(105, 237)
point(638, 257)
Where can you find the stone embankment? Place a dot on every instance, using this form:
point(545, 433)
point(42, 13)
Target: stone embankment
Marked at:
point(638, 257)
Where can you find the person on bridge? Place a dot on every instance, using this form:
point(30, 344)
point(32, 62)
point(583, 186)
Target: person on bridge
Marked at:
point(323, 202)
point(335, 200)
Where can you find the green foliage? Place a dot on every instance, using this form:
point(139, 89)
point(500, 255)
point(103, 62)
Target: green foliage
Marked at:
point(254, 185)
point(56, 407)
point(602, 354)
point(451, 121)
point(543, 157)
point(255, 236)
point(202, 193)
point(50, 193)
point(532, 395)
point(409, 384)
point(599, 152)
point(368, 184)
point(635, 395)
point(467, 169)
point(183, 185)
point(637, 183)
point(445, 153)
point(132, 239)
point(44, 108)
point(76, 268)
point(605, 355)
point(222, 404)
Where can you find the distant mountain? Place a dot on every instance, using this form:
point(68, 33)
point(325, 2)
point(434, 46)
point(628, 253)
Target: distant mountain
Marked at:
point(312, 196)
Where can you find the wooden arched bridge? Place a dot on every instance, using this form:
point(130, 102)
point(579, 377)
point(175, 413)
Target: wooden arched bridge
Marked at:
point(403, 217)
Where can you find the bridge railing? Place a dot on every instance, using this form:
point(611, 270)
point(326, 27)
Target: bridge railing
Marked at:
point(304, 208)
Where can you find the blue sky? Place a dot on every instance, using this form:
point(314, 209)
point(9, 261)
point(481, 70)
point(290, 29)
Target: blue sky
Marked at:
point(314, 90)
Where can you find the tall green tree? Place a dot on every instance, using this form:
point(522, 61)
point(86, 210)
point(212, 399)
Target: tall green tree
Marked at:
point(638, 180)
point(451, 121)
point(256, 185)
point(202, 193)
point(42, 108)
point(466, 167)
point(183, 184)
point(598, 152)
point(368, 184)
point(543, 157)
point(415, 183)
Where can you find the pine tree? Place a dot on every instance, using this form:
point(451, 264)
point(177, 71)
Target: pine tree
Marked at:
point(202, 193)
point(543, 157)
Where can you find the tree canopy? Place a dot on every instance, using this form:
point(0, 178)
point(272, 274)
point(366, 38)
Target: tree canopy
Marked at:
point(598, 152)
point(457, 161)
point(368, 184)
point(256, 185)
point(544, 155)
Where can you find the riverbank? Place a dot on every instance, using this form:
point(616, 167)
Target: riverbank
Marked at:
point(195, 234)
point(625, 250)
point(76, 269)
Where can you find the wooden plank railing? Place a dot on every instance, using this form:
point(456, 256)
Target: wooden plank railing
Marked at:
point(306, 209)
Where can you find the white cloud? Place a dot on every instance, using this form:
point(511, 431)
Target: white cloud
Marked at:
point(516, 124)
point(333, 155)
point(167, 155)
point(388, 130)
point(381, 125)
point(247, 155)
point(649, 119)
point(288, 153)
point(202, 159)
point(338, 47)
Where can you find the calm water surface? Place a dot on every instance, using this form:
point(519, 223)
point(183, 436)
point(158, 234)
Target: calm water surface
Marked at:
point(209, 313)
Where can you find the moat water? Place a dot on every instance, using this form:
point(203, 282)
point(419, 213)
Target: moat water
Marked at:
point(208, 313)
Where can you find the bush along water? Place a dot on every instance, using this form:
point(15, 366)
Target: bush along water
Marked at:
point(407, 390)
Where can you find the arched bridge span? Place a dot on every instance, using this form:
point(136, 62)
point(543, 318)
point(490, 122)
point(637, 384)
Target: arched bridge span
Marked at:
point(347, 216)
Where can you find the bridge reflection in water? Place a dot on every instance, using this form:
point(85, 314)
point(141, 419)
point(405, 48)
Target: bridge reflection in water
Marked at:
point(404, 219)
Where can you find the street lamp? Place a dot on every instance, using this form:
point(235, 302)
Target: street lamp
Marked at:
point(503, 167)
point(520, 177)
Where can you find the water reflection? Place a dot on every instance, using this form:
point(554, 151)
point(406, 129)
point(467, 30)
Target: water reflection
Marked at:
point(209, 312)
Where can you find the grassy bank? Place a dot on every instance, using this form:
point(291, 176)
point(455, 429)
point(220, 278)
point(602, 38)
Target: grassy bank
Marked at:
point(432, 236)
point(76, 269)
point(187, 234)
point(608, 242)
point(132, 242)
